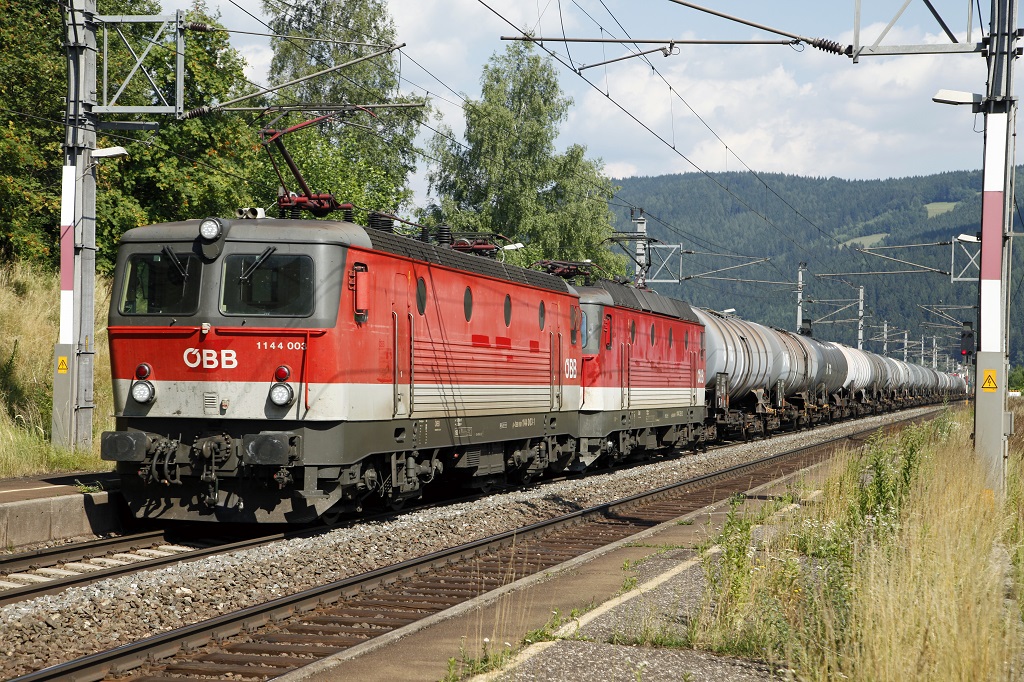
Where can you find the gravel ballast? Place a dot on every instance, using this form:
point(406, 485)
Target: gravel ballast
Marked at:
point(53, 629)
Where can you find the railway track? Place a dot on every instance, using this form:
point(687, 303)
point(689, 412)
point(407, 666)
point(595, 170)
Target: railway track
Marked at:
point(269, 639)
point(52, 570)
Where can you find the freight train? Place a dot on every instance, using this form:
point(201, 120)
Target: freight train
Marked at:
point(288, 370)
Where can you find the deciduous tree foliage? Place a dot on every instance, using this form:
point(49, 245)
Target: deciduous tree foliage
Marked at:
point(32, 83)
point(188, 169)
point(364, 158)
point(507, 178)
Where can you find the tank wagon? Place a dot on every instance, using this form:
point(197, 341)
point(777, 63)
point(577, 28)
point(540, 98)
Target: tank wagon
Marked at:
point(286, 370)
point(763, 379)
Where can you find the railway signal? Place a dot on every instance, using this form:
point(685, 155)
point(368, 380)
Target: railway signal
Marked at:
point(967, 343)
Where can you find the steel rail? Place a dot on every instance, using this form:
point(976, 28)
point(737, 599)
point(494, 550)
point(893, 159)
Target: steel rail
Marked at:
point(57, 585)
point(23, 561)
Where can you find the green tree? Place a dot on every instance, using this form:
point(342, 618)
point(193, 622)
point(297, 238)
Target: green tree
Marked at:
point(1016, 378)
point(191, 168)
point(366, 157)
point(187, 169)
point(508, 179)
point(33, 82)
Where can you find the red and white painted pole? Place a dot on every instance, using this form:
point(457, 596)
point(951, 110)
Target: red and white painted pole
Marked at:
point(62, 424)
point(67, 256)
point(992, 423)
point(71, 424)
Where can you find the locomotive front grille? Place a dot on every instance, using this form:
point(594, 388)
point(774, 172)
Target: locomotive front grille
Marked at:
point(211, 404)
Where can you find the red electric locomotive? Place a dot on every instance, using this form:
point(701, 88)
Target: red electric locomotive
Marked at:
point(643, 373)
point(269, 370)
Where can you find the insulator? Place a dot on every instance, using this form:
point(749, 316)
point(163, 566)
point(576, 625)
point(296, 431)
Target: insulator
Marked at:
point(444, 235)
point(199, 26)
point(295, 213)
point(381, 221)
point(197, 112)
point(347, 214)
point(828, 46)
point(425, 234)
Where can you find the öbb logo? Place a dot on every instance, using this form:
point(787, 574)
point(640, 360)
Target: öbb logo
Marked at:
point(209, 358)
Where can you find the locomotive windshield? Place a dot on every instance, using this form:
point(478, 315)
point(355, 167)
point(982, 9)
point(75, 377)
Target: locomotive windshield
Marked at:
point(165, 283)
point(267, 284)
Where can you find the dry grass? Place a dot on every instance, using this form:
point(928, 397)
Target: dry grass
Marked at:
point(29, 318)
point(900, 573)
point(930, 603)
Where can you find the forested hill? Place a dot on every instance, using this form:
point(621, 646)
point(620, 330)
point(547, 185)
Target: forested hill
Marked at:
point(819, 221)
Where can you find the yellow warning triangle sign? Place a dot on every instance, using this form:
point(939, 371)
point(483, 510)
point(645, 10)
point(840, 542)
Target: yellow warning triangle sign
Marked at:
point(990, 380)
point(62, 364)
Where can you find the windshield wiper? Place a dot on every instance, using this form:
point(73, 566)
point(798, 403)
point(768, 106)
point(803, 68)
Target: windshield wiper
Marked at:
point(247, 273)
point(173, 257)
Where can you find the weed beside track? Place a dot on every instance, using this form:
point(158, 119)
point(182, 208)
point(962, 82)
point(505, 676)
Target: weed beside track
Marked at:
point(900, 571)
point(30, 316)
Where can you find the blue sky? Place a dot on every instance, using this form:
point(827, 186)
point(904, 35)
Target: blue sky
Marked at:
point(769, 107)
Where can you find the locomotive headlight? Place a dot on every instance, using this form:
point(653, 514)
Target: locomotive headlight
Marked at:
point(143, 392)
point(210, 229)
point(281, 394)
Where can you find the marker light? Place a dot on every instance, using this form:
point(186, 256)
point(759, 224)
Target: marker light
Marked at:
point(143, 392)
point(282, 373)
point(210, 229)
point(281, 394)
point(143, 371)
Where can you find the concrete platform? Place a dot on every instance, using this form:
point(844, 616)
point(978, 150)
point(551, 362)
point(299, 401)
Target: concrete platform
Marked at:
point(35, 511)
point(613, 589)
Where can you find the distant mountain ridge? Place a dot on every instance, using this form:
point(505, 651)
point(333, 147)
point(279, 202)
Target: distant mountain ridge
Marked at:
point(821, 221)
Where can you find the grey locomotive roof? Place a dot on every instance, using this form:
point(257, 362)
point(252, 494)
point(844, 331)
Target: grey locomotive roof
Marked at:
point(413, 248)
point(608, 292)
point(261, 230)
point(349, 234)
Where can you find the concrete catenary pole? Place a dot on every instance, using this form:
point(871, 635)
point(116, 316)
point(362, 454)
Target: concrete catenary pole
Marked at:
point(800, 297)
point(991, 424)
point(860, 320)
point(71, 424)
point(75, 349)
point(640, 223)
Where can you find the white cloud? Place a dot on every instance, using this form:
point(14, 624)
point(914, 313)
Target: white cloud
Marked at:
point(808, 113)
point(257, 62)
point(774, 107)
point(619, 170)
